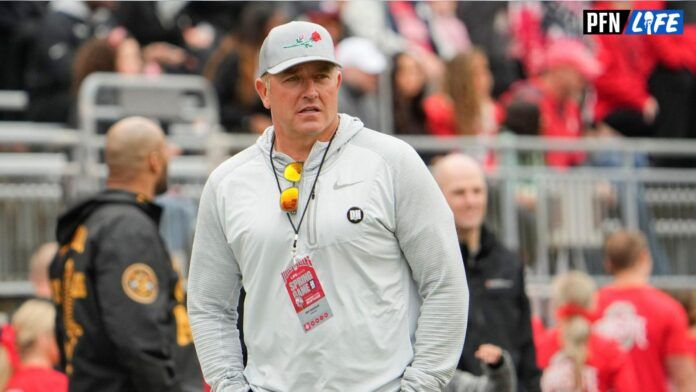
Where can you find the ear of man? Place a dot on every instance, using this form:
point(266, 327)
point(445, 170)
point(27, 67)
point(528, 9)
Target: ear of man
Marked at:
point(156, 161)
point(263, 87)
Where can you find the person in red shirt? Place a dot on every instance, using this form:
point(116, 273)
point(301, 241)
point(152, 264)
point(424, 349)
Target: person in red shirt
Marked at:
point(557, 91)
point(648, 324)
point(623, 100)
point(409, 86)
point(572, 356)
point(646, 82)
point(465, 105)
point(31, 358)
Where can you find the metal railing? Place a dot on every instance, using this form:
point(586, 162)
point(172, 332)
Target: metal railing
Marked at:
point(32, 192)
point(185, 105)
point(572, 208)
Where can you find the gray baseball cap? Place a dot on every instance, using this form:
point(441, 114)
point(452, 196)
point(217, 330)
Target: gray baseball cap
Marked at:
point(295, 43)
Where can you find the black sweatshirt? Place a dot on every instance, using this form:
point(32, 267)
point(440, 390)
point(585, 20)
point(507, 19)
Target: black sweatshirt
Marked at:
point(499, 311)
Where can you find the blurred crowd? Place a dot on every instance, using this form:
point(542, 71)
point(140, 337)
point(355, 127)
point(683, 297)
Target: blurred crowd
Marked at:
point(449, 68)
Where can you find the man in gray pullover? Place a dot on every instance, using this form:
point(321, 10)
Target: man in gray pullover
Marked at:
point(341, 239)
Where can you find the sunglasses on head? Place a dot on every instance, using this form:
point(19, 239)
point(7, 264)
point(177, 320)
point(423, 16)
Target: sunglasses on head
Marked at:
point(290, 196)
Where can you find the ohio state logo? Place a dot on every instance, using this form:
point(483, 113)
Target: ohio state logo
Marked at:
point(623, 324)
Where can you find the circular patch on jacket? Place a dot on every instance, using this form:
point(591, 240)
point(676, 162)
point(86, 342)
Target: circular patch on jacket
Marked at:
point(355, 215)
point(139, 282)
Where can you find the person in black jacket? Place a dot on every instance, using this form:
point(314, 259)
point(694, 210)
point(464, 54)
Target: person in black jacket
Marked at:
point(64, 27)
point(232, 69)
point(499, 311)
point(119, 301)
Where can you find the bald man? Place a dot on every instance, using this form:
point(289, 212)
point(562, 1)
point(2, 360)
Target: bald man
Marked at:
point(120, 302)
point(499, 311)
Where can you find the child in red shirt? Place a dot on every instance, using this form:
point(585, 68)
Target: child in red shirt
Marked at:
point(574, 358)
point(31, 349)
point(648, 324)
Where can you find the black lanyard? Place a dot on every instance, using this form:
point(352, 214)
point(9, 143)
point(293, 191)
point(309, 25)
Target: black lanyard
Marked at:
point(296, 230)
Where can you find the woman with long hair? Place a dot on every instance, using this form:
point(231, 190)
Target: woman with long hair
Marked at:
point(29, 351)
point(464, 106)
point(232, 69)
point(118, 52)
point(572, 357)
point(408, 91)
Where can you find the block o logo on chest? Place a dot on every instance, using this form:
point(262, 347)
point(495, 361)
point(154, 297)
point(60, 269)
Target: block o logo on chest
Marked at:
point(355, 215)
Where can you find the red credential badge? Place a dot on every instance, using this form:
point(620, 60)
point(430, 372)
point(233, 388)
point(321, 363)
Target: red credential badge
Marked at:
point(306, 294)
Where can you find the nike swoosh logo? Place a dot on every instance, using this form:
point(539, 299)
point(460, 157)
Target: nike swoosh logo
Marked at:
point(338, 186)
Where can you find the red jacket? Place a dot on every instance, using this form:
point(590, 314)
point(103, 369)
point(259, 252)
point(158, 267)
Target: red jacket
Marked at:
point(560, 118)
point(440, 117)
point(626, 63)
point(628, 60)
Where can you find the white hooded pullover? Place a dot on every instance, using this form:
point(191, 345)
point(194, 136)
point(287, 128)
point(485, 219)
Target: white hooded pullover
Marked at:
point(394, 281)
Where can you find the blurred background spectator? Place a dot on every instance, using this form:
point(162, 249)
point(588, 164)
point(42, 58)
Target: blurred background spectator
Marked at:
point(447, 32)
point(362, 65)
point(499, 307)
point(64, 27)
point(328, 14)
point(18, 25)
point(648, 85)
point(648, 324)
point(489, 27)
point(408, 92)
point(233, 65)
point(371, 19)
point(168, 33)
point(117, 52)
point(29, 351)
point(571, 355)
point(465, 105)
point(558, 91)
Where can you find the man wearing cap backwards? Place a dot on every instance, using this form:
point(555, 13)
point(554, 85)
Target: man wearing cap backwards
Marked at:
point(341, 239)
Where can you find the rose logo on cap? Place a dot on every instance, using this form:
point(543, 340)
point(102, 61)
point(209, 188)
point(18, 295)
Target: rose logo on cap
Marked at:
point(300, 41)
point(295, 43)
